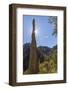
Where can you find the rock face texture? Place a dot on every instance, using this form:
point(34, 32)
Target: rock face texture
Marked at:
point(33, 59)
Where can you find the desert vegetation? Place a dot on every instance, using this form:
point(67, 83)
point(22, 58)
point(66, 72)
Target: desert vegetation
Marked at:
point(47, 58)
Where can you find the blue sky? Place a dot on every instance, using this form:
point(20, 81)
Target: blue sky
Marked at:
point(44, 31)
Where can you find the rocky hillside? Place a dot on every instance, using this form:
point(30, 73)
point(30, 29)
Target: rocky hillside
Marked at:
point(41, 52)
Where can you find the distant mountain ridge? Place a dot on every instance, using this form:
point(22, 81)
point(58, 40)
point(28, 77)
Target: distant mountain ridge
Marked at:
point(41, 51)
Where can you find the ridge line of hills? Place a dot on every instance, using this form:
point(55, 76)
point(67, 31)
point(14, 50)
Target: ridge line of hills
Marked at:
point(41, 51)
